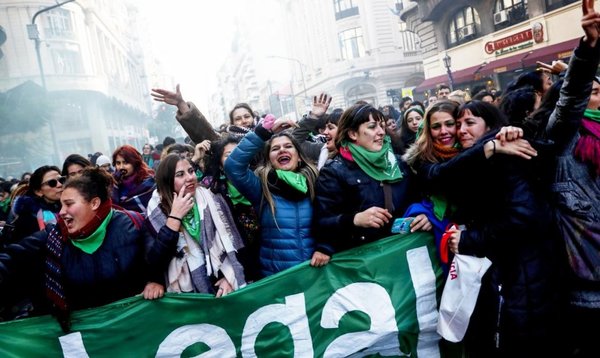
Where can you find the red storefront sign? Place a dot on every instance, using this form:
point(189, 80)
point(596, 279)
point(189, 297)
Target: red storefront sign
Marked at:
point(515, 39)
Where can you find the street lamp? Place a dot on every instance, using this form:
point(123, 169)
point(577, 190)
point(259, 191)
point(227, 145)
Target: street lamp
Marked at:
point(34, 34)
point(448, 63)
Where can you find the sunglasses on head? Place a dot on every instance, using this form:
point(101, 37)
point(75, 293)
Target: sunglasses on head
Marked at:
point(54, 182)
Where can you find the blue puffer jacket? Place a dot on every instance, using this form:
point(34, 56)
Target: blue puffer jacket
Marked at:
point(286, 239)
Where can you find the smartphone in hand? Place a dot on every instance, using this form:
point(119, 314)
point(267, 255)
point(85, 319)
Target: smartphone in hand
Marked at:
point(402, 225)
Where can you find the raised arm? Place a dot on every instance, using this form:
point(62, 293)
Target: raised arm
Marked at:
point(194, 123)
point(575, 93)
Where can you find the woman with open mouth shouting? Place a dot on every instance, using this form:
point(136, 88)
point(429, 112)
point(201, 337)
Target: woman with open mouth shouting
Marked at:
point(281, 191)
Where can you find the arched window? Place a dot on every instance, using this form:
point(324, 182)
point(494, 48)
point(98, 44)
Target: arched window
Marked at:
point(555, 4)
point(509, 12)
point(464, 26)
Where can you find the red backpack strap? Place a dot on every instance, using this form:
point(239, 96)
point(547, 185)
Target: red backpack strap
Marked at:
point(137, 218)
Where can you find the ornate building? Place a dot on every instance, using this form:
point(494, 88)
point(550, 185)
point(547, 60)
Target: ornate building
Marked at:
point(86, 58)
point(489, 42)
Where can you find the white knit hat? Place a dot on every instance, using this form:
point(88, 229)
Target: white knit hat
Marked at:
point(101, 160)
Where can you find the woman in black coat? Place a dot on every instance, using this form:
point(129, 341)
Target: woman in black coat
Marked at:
point(508, 220)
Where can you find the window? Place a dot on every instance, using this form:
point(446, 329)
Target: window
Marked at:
point(509, 12)
point(59, 24)
point(555, 4)
point(464, 26)
point(344, 8)
point(67, 61)
point(69, 115)
point(351, 43)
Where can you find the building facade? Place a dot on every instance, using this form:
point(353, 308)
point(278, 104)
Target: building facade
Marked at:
point(353, 50)
point(89, 64)
point(490, 42)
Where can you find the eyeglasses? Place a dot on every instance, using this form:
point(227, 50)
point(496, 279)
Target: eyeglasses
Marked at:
point(54, 182)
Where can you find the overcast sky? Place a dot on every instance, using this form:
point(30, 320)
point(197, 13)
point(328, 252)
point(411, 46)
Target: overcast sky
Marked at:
point(191, 38)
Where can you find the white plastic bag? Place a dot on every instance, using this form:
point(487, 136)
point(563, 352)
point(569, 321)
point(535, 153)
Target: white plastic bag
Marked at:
point(460, 295)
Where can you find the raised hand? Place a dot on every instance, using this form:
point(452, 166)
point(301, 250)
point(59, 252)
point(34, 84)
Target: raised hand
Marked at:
point(590, 22)
point(320, 105)
point(283, 123)
point(169, 97)
point(268, 122)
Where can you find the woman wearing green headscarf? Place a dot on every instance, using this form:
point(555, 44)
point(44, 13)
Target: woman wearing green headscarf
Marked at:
point(364, 188)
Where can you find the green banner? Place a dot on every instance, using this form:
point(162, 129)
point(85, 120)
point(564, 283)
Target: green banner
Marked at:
point(378, 299)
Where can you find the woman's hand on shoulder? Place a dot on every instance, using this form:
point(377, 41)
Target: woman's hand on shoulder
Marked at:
point(519, 147)
point(509, 133)
point(153, 291)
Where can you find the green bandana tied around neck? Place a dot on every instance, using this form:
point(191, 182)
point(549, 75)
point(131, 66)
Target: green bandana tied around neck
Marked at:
point(381, 165)
point(293, 179)
point(191, 222)
point(235, 196)
point(592, 114)
point(90, 244)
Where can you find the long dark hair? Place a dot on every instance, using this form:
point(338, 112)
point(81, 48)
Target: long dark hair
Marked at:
point(74, 159)
point(214, 169)
point(165, 180)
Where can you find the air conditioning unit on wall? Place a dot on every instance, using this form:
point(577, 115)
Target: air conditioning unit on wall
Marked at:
point(466, 32)
point(500, 17)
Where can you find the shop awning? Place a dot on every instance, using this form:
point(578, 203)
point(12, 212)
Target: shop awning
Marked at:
point(546, 54)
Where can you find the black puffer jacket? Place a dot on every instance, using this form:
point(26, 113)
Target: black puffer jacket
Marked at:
point(116, 270)
point(342, 191)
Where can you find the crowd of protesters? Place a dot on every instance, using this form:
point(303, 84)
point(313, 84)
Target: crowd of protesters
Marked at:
point(513, 177)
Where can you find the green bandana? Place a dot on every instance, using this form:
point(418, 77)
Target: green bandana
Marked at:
point(592, 114)
point(440, 207)
point(235, 196)
point(90, 244)
point(191, 222)
point(381, 165)
point(295, 180)
point(5, 205)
